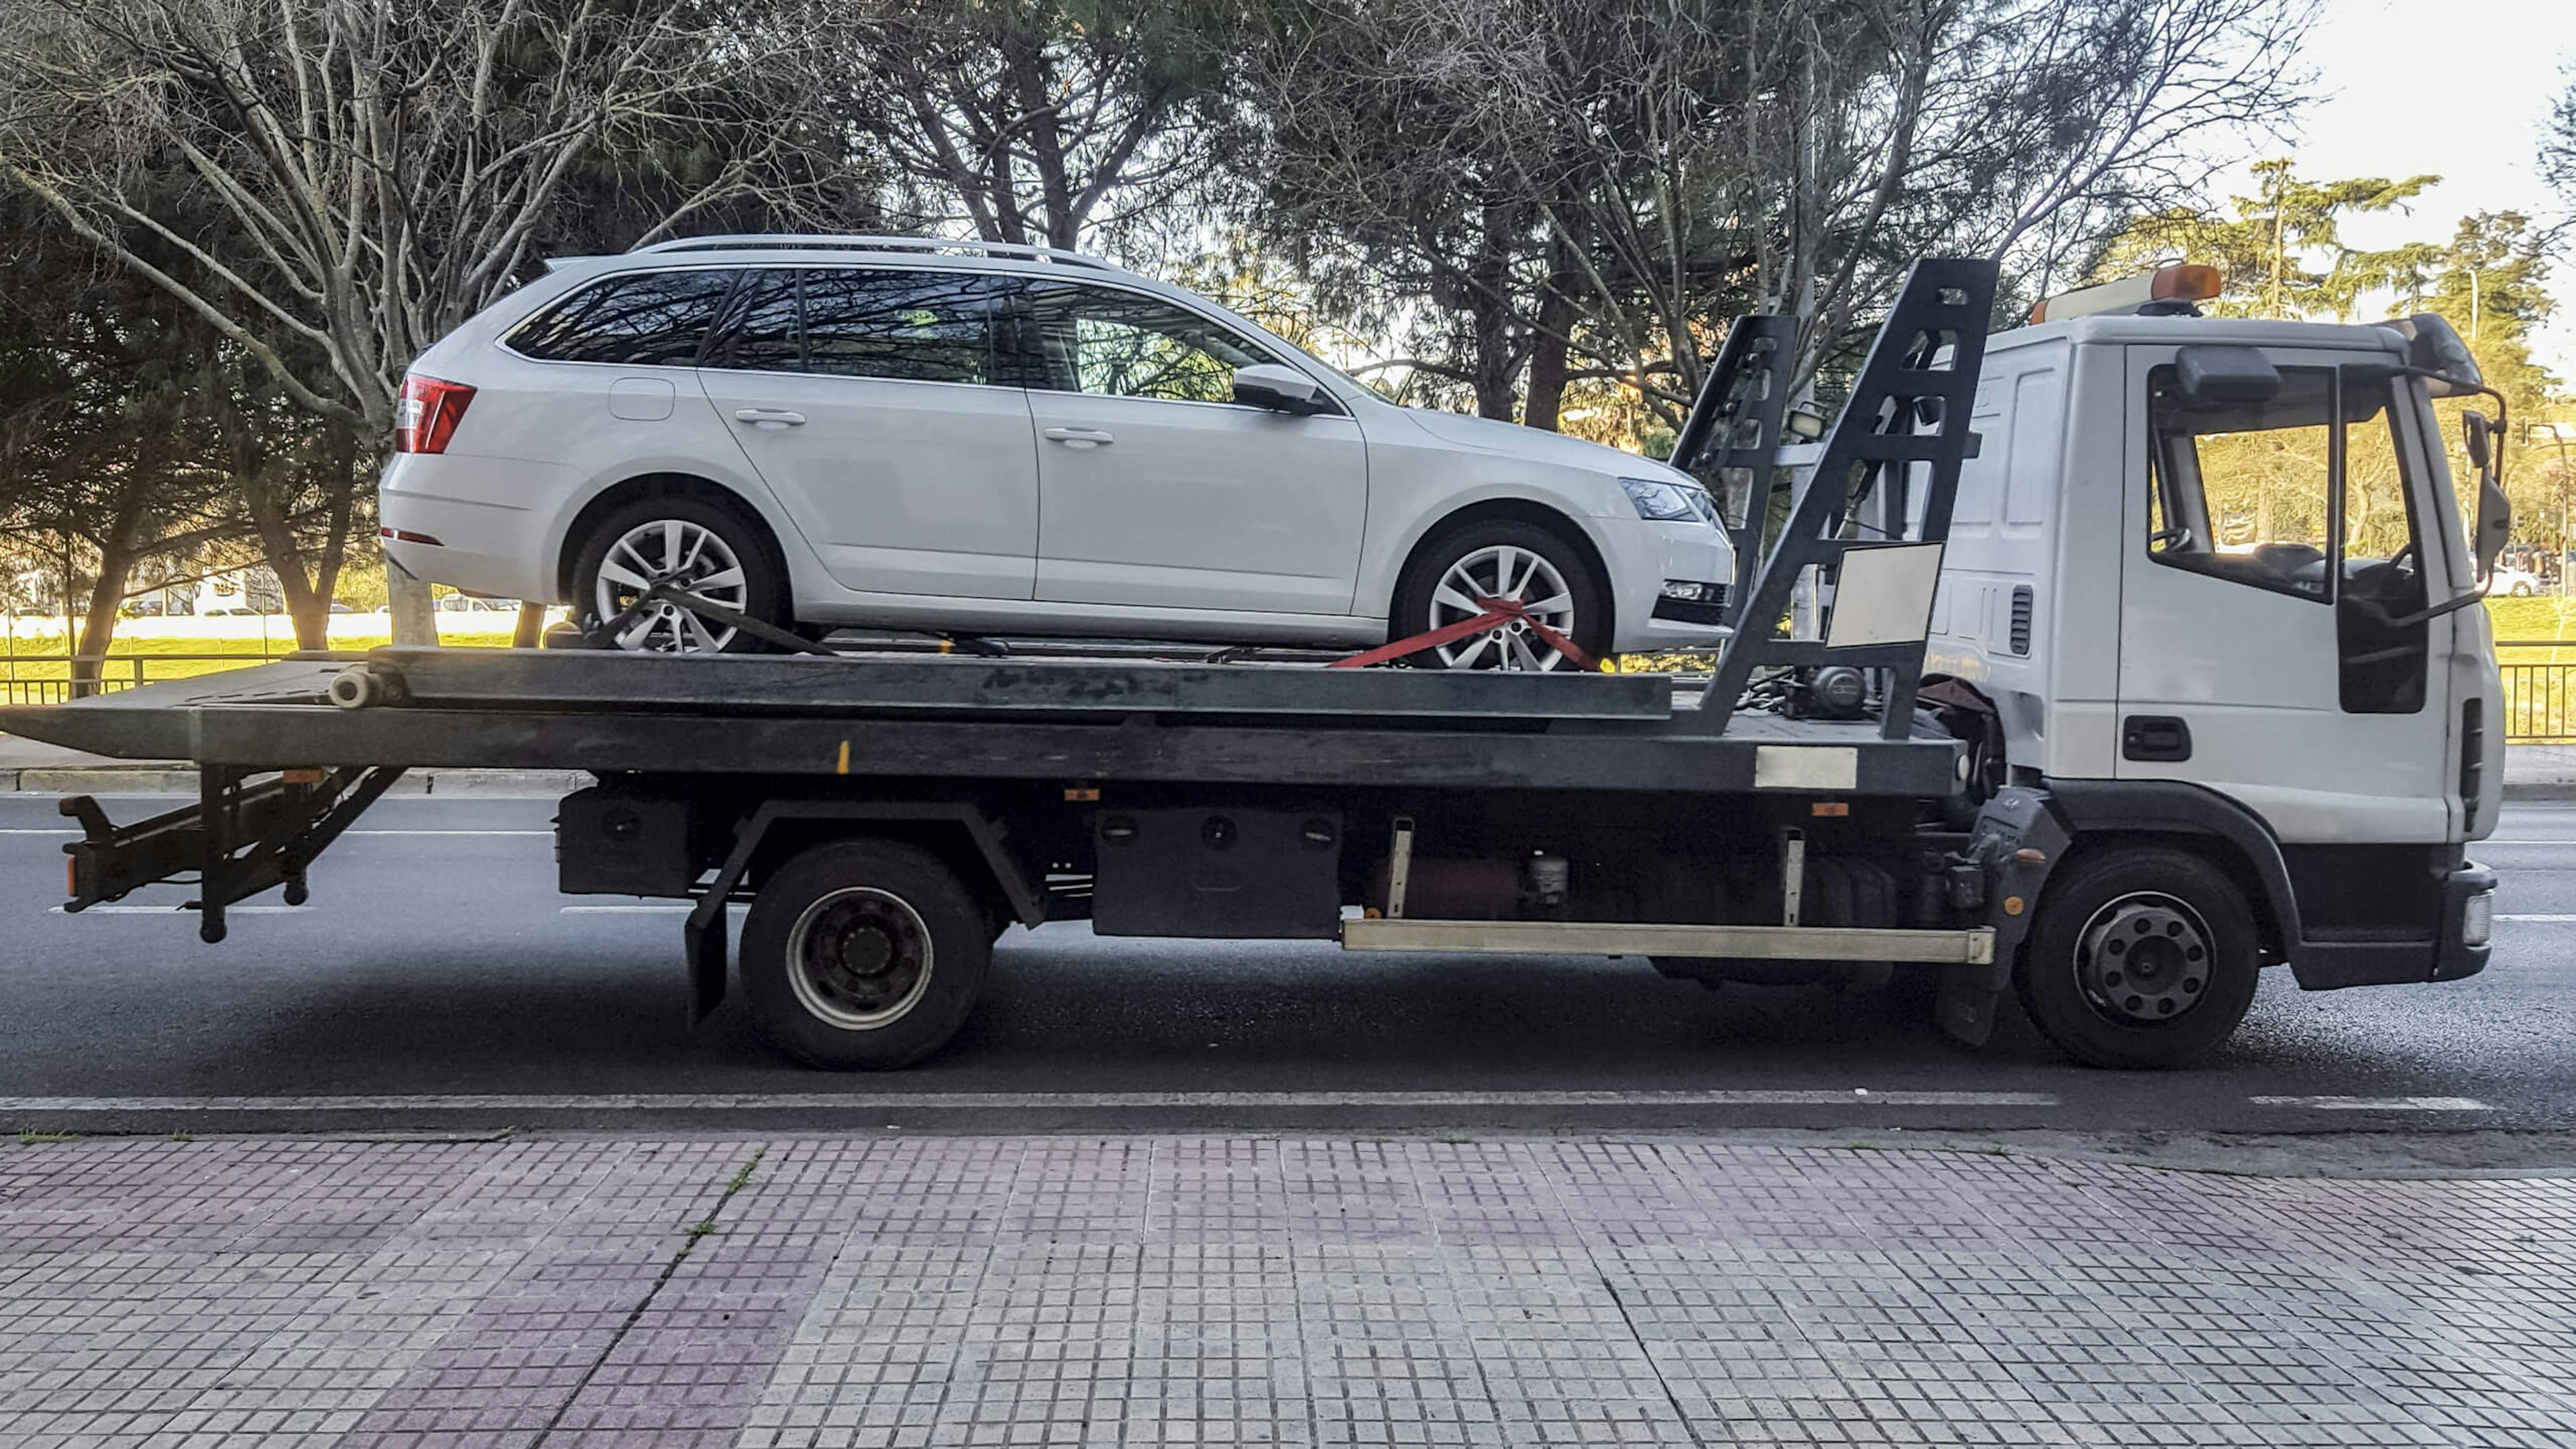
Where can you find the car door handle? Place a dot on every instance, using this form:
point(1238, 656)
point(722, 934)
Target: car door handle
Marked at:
point(769, 417)
point(1080, 437)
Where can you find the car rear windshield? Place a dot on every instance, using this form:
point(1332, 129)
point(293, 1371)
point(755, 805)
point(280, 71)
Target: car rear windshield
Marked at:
point(644, 319)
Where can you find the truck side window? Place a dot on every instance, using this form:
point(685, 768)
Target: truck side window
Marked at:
point(2382, 661)
point(2241, 492)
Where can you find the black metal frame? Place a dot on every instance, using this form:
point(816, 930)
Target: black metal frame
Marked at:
point(1863, 462)
point(240, 838)
point(1736, 423)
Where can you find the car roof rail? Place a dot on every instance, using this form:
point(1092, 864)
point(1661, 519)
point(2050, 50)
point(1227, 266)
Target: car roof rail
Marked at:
point(793, 241)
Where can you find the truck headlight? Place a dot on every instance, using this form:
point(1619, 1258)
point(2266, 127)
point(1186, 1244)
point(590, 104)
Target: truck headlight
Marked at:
point(2477, 919)
point(1665, 501)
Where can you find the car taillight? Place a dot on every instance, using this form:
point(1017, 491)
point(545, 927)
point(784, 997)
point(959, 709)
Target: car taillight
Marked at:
point(427, 414)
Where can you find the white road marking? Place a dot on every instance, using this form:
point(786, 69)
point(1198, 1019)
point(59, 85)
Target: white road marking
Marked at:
point(624, 910)
point(2553, 917)
point(2376, 1104)
point(67, 834)
point(449, 832)
point(177, 911)
point(888, 1101)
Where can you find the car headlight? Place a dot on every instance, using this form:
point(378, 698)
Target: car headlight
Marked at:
point(1669, 502)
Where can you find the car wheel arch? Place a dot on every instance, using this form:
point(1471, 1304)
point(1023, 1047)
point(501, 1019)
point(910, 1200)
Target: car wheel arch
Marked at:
point(661, 485)
point(1519, 510)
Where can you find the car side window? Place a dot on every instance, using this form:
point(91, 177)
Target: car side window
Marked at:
point(761, 332)
point(907, 326)
point(1127, 344)
point(645, 319)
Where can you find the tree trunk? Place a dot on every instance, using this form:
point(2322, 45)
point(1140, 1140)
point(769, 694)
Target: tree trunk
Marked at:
point(116, 558)
point(1489, 311)
point(1547, 365)
point(98, 631)
point(415, 618)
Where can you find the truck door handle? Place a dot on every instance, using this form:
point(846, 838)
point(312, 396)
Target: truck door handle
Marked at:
point(1080, 437)
point(769, 417)
point(2157, 737)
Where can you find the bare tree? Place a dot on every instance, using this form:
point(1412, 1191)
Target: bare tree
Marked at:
point(1644, 170)
point(333, 184)
point(1033, 121)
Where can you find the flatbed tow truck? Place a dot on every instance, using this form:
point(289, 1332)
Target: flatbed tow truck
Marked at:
point(2030, 817)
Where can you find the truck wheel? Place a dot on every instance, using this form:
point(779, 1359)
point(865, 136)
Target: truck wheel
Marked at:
point(863, 955)
point(700, 548)
point(1501, 558)
point(2143, 956)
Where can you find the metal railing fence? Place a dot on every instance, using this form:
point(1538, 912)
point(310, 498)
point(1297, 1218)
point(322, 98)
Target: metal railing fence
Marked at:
point(55, 678)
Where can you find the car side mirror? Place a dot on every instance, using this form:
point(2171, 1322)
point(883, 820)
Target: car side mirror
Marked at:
point(1280, 389)
point(2475, 432)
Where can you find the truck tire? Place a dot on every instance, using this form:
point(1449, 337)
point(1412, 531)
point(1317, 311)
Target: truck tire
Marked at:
point(2143, 956)
point(1544, 569)
point(705, 548)
point(863, 955)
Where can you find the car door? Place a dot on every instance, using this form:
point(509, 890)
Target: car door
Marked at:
point(1155, 488)
point(873, 402)
point(2273, 556)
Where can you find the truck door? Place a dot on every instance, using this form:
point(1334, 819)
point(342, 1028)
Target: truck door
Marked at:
point(2272, 550)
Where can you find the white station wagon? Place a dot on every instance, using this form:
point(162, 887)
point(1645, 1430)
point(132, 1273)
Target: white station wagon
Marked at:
point(920, 434)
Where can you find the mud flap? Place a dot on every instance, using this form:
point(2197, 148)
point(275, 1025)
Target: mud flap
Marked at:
point(2017, 840)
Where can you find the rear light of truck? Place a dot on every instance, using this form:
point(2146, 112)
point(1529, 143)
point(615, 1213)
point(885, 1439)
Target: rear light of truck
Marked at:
point(427, 415)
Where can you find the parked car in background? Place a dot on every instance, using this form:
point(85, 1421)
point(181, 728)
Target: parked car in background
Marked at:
point(2519, 583)
point(922, 434)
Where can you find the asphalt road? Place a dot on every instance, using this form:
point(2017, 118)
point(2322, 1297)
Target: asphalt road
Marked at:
point(436, 978)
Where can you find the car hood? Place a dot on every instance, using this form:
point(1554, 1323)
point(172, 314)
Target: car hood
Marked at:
point(1486, 435)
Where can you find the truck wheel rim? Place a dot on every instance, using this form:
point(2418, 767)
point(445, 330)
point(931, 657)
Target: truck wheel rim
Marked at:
point(688, 556)
point(2145, 959)
point(859, 958)
point(1502, 571)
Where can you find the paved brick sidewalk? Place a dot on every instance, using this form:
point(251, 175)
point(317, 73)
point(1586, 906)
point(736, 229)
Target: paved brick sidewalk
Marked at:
point(1222, 1291)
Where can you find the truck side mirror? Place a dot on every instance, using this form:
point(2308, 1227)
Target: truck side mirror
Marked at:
point(2495, 511)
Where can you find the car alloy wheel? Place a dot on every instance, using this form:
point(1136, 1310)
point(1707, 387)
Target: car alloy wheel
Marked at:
point(689, 557)
point(1509, 572)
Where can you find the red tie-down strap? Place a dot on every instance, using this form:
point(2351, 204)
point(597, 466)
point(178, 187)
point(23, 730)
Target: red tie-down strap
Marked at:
point(1498, 612)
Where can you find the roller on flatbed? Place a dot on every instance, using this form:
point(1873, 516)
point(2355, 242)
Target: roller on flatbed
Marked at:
point(1819, 810)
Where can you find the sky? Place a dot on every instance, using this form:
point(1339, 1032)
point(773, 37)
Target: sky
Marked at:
point(2460, 91)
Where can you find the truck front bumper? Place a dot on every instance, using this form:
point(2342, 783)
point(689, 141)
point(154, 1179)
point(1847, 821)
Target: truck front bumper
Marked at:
point(2459, 947)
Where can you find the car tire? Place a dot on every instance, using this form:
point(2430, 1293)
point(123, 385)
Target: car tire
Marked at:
point(680, 535)
point(2143, 956)
point(863, 955)
point(1428, 595)
point(2522, 591)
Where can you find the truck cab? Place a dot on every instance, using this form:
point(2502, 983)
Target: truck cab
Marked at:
point(2218, 567)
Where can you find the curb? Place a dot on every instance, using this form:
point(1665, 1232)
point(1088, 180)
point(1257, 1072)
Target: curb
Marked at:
point(174, 780)
point(547, 784)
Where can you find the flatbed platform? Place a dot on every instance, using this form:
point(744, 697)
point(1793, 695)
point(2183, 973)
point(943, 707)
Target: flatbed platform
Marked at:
point(902, 714)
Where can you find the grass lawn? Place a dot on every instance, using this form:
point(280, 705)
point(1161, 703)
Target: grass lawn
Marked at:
point(165, 644)
point(177, 648)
